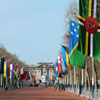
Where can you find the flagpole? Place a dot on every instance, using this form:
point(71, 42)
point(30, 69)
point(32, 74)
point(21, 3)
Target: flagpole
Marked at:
point(91, 50)
point(82, 82)
point(74, 79)
point(70, 80)
point(67, 81)
point(6, 81)
point(91, 54)
point(1, 79)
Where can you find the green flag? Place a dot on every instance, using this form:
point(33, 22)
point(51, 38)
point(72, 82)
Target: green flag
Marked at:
point(89, 8)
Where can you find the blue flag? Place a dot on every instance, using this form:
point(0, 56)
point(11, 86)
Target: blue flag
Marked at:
point(56, 69)
point(2, 65)
point(7, 68)
point(64, 68)
point(64, 55)
point(73, 36)
point(76, 58)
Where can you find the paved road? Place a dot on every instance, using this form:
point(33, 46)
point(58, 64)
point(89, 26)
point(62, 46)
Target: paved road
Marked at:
point(37, 93)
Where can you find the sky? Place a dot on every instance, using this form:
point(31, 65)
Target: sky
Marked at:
point(33, 29)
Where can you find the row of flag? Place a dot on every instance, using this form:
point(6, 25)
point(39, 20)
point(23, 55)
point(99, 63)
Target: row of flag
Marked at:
point(10, 70)
point(79, 40)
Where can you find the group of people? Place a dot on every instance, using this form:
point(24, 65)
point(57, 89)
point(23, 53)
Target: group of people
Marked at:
point(59, 86)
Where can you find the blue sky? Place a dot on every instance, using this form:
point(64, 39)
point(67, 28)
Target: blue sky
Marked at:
point(33, 29)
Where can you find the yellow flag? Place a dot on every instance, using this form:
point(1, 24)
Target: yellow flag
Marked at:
point(5, 75)
point(68, 65)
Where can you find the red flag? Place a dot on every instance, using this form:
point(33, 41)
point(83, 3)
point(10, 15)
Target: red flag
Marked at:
point(67, 39)
point(8, 67)
point(19, 73)
point(26, 75)
point(15, 68)
point(59, 65)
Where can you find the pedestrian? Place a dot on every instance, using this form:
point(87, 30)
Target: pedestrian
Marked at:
point(54, 87)
point(59, 88)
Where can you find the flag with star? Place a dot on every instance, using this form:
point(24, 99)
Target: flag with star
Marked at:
point(76, 58)
point(89, 8)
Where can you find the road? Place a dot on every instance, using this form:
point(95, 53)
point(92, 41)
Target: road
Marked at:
point(37, 93)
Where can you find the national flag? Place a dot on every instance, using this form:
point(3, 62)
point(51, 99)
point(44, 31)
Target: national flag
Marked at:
point(30, 78)
point(15, 71)
point(22, 70)
point(76, 58)
point(56, 69)
point(64, 68)
point(63, 65)
point(89, 8)
point(59, 66)
point(65, 56)
point(11, 70)
point(2, 65)
point(26, 75)
point(67, 37)
point(5, 68)
point(8, 70)
point(19, 73)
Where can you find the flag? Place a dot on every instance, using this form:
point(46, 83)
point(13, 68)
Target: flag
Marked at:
point(63, 65)
point(65, 57)
point(89, 8)
point(21, 73)
point(22, 70)
point(30, 78)
point(2, 65)
point(56, 69)
point(76, 58)
point(11, 70)
point(64, 68)
point(67, 37)
point(8, 70)
point(26, 75)
point(15, 71)
point(59, 66)
point(5, 68)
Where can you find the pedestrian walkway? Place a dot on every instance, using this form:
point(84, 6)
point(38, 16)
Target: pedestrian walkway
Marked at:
point(37, 93)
